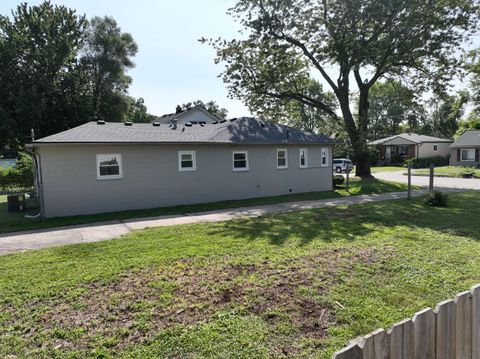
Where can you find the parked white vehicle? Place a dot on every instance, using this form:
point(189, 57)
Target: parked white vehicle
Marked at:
point(342, 164)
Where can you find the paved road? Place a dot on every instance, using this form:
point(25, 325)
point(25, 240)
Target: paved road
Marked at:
point(443, 182)
point(23, 241)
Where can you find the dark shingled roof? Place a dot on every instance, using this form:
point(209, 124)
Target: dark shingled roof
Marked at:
point(243, 130)
point(413, 137)
point(468, 139)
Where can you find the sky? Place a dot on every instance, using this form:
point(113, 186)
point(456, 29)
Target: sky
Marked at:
point(172, 67)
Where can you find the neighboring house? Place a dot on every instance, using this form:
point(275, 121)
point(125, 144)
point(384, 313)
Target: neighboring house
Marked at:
point(465, 150)
point(195, 115)
point(410, 145)
point(106, 167)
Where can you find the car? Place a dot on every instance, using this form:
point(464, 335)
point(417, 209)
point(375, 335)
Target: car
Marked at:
point(342, 164)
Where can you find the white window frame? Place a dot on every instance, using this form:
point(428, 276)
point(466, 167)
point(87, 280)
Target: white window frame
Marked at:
point(435, 147)
point(324, 154)
point(305, 151)
point(194, 161)
point(240, 169)
point(286, 158)
point(467, 150)
point(120, 166)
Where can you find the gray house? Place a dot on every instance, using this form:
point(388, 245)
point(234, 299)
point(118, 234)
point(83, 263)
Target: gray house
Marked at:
point(465, 150)
point(107, 167)
point(410, 145)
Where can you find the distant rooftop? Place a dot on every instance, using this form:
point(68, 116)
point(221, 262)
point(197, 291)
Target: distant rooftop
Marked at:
point(244, 130)
point(468, 139)
point(412, 137)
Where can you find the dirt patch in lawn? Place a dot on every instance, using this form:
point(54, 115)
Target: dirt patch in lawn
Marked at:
point(140, 303)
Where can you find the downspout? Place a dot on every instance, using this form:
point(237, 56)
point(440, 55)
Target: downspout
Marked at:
point(37, 176)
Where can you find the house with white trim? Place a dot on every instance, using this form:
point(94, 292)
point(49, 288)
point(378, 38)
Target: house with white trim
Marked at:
point(465, 151)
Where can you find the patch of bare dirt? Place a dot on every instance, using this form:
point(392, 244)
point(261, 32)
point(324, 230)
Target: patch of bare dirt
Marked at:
point(140, 303)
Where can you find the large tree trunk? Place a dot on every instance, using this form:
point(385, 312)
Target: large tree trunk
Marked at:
point(357, 132)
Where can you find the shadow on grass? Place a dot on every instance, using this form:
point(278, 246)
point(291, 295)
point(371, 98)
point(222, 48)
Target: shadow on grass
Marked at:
point(347, 223)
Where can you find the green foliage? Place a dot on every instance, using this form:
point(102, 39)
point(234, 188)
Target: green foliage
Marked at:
point(58, 71)
point(338, 180)
point(435, 199)
point(471, 123)
point(19, 176)
point(137, 111)
point(290, 42)
point(438, 161)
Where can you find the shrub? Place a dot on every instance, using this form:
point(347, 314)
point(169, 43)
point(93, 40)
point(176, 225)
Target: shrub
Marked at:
point(19, 176)
point(435, 199)
point(338, 180)
point(373, 156)
point(425, 162)
point(396, 159)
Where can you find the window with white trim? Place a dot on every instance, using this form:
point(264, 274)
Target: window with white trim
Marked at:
point(467, 154)
point(187, 161)
point(435, 147)
point(303, 158)
point(240, 160)
point(282, 158)
point(324, 157)
point(109, 166)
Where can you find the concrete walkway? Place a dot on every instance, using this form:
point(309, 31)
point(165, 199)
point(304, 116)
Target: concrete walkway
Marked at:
point(95, 232)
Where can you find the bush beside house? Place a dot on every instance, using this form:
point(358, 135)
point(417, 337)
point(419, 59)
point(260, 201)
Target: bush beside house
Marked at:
point(18, 176)
point(437, 161)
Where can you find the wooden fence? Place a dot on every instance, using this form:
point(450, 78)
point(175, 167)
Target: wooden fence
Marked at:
point(452, 330)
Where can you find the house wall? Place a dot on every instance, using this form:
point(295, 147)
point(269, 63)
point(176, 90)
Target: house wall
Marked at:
point(151, 177)
point(425, 149)
point(455, 158)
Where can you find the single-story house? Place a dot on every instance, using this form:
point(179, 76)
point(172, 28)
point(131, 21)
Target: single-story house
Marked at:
point(411, 145)
point(106, 167)
point(465, 150)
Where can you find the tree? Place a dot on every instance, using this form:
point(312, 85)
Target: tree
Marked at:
point(210, 106)
point(447, 111)
point(289, 41)
point(391, 105)
point(41, 86)
point(137, 111)
point(107, 56)
point(471, 123)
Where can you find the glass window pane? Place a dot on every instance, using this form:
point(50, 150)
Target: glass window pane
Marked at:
point(109, 170)
point(240, 164)
point(187, 164)
point(239, 156)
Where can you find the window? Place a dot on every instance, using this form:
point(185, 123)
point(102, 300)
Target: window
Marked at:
point(435, 147)
point(240, 161)
point(187, 161)
point(109, 166)
point(324, 154)
point(282, 159)
point(467, 155)
point(303, 158)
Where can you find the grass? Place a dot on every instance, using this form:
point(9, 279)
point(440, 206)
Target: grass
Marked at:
point(386, 169)
point(448, 171)
point(295, 285)
point(15, 222)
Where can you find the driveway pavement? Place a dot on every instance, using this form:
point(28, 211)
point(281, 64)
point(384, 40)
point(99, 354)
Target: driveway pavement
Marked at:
point(441, 182)
point(95, 232)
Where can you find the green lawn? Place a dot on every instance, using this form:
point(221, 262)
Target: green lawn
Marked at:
point(448, 171)
point(296, 285)
point(15, 222)
point(387, 169)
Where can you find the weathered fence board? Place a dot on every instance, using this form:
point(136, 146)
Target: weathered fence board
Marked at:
point(451, 331)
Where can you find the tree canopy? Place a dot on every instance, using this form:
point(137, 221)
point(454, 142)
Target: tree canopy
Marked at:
point(350, 45)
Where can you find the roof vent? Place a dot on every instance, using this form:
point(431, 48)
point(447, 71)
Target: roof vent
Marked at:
point(223, 121)
point(233, 119)
point(202, 124)
point(183, 129)
point(156, 124)
point(128, 123)
point(188, 124)
point(215, 122)
point(262, 123)
point(100, 122)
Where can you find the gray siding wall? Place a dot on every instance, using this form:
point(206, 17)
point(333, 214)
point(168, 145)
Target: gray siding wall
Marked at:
point(151, 177)
point(455, 162)
point(425, 150)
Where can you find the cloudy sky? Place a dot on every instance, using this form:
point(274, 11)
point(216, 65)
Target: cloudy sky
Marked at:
point(172, 67)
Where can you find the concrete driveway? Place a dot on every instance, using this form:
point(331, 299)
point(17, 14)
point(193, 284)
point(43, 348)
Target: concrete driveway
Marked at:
point(439, 182)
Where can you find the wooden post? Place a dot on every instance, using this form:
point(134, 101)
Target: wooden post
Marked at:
point(409, 179)
point(348, 179)
point(431, 178)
